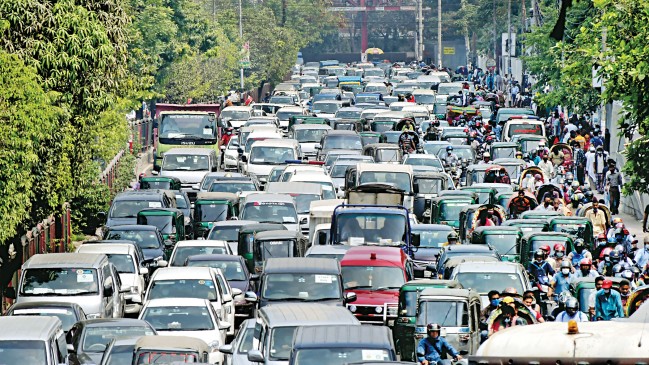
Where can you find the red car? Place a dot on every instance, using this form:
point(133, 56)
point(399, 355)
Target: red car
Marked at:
point(375, 275)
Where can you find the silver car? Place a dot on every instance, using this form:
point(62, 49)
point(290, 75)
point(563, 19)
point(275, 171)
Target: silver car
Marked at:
point(236, 353)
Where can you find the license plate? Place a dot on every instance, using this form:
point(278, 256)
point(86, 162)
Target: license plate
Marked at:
point(428, 274)
point(391, 323)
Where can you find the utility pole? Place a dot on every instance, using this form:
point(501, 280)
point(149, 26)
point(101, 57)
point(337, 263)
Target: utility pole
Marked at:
point(439, 33)
point(495, 35)
point(420, 34)
point(509, 39)
point(241, 36)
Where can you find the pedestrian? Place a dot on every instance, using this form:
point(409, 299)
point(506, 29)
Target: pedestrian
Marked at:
point(546, 166)
point(580, 162)
point(597, 216)
point(590, 166)
point(514, 94)
point(613, 181)
point(608, 303)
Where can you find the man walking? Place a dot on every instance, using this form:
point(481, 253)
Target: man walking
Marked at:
point(614, 185)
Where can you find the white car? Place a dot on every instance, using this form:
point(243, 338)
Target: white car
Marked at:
point(184, 249)
point(317, 177)
point(126, 260)
point(231, 154)
point(188, 317)
point(266, 154)
point(236, 116)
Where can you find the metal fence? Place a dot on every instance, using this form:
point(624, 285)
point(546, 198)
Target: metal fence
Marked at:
point(141, 135)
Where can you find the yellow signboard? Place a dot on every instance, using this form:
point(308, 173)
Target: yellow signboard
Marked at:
point(449, 50)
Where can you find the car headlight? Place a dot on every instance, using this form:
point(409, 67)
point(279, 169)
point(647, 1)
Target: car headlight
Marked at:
point(378, 309)
point(93, 315)
point(352, 308)
point(214, 346)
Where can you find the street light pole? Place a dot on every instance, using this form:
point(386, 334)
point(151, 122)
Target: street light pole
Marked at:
point(241, 36)
point(509, 40)
point(420, 33)
point(439, 33)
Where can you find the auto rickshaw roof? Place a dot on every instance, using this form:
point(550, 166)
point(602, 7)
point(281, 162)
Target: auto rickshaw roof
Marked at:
point(385, 146)
point(479, 188)
point(430, 175)
point(571, 219)
point(160, 211)
point(414, 285)
point(221, 197)
point(547, 236)
point(161, 179)
point(539, 214)
point(479, 167)
point(519, 222)
point(498, 230)
point(277, 235)
point(458, 193)
point(505, 161)
point(589, 282)
point(504, 144)
point(258, 227)
point(448, 292)
point(451, 199)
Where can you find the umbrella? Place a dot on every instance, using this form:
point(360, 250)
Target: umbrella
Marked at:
point(374, 51)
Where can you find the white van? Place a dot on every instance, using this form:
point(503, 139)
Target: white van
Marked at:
point(523, 125)
point(32, 340)
point(266, 154)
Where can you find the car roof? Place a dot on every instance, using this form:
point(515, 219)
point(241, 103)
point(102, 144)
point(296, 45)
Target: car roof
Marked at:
point(114, 322)
point(385, 256)
point(201, 243)
point(45, 304)
point(336, 336)
point(301, 314)
point(468, 248)
point(276, 142)
point(298, 265)
point(107, 248)
point(384, 167)
point(431, 227)
point(269, 197)
point(182, 272)
point(64, 260)
point(133, 227)
point(139, 194)
point(341, 132)
point(492, 267)
point(182, 343)
point(311, 126)
point(327, 249)
point(293, 188)
point(175, 302)
point(277, 235)
point(214, 257)
point(189, 151)
point(23, 328)
point(237, 107)
point(232, 223)
point(451, 292)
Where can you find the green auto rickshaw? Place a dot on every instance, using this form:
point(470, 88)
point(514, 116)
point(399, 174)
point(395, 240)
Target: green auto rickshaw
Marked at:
point(471, 216)
point(506, 240)
point(578, 227)
point(486, 194)
point(278, 243)
point(582, 288)
point(381, 126)
point(539, 214)
point(213, 207)
point(529, 225)
point(370, 137)
point(245, 245)
point(305, 119)
point(446, 209)
point(160, 182)
point(404, 327)
point(170, 222)
point(533, 241)
point(502, 199)
point(475, 174)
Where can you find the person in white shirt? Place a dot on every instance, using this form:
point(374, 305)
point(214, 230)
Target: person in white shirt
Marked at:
point(546, 166)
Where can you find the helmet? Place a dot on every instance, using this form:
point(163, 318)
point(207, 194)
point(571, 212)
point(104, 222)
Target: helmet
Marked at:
point(601, 236)
point(569, 176)
point(559, 247)
point(617, 220)
point(619, 248)
point(486, 154)
point(618, 268)
point(539, 254)
point(585, 261)
point(572, 303)
point(564, 296)
point(575, 184)
point(627, 274)
point(510, 290)
point(615, 256)
point(449, 148)
point(489, 138)
point(433, 327)
point(565, 264)
point(519, 153)
point(579, 242)
point(605, 252)
point(545, 249)
point(451, 236)
point(611, 240)
point(588, 195)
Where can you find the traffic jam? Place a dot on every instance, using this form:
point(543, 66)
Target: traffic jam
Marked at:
point(359, 214)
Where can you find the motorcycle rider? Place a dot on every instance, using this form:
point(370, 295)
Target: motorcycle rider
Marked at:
point(452, 239)
point(540, 270)
point(561, 280)
point(572, 312)
point(558, 256)
point(486, 159)
point(579, 253)
point(450, 158)
point(433, 349)
point(608, 303)
point(409, 141)
point(642, 256)
point(586, 269)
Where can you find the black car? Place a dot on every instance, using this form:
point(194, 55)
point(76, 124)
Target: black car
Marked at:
point(147, 237)
point(87, 340)
point(236, 273)
point(68, 313)
point(432, 238)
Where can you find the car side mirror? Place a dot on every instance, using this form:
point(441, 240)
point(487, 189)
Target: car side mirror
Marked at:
point(10, 293)
point(255, 356)
point(144, 270)
point(71, 348)
point(350, 297)
point(322, 238)
point(227, 298)
point(108, 291)
point(250, 297)
point(162, 263)
point(226, 349)
point(225, 325)
point(157, 168)
point(101, 216)
point(416, 239)
point(168, 243)
point(236, 291)
point(244, 158)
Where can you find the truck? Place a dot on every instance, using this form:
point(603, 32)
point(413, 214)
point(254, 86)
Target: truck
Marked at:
point(191, 125)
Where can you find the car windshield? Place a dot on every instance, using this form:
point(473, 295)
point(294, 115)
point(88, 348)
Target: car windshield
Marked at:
point(462, 153)
point(182, 288)
point(339, 356)
point(225, 233)
point(179, 318)
point(448, 89)
point(348, 114)
point(432, 238)
point(232, 270)
point(529, 145)
point(123, 263)
point(59, 281)
point(286, 115)
point(130, 208)
point(120, 355)
point(524, 128)
point(388, 155)
point(185, 163)
point(575, 229)
point(301, 287)
point(505, 244)
point(163, 222)
point(356, 229)
point(271, 155)
point(326, 107)
point(228, 115)
point(144, 239)
point(483, 282)
point(246, 340)
point(232, 186)
point(346, 142)
point(182, 126)
point(372, 277)
point(309, 135)
point(97, 338)
point(23, 352)
point(272, 212)
point(401, 180)
point(284, 100)
point(274, 248)
point(431, 162)
point(370, 139)
point(425, 99)
point(303, 202)
point(183, 252)
point(503, 152)
point(210, 212)
point(166, 357)
point(67, 316)
point(445, 313)
point(181, 203)
point(281, 341)
point(451, 211)
point(367, 98)
point(429, 186)
point(338, 170)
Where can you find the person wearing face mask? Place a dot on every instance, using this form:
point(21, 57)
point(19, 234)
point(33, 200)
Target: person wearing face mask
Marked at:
point(608, 303)
point(586, 270)
point(598, 218)
point(546, 166)
point(580, 162)
point(494, 301)
point(529, 301)
point(572, 312)
point(540, 270)
point(625, 291)
point(547, 203)
point(579, 253)
point(450, 157)
point(433, 349)
point(590, 166)
point(599, 168)
point(642, 255)
point(561, 280)
point(559, 253)
point(508, 317)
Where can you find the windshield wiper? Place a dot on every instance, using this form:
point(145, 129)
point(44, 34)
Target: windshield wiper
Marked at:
point(446, 316)
point(358, 287)
point(287, 299)
point(321, 299)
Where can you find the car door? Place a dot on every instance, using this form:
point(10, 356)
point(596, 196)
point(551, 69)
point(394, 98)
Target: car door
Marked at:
point(118, 295)
point(227, 299)
point(108, 301)
point(474, 329)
